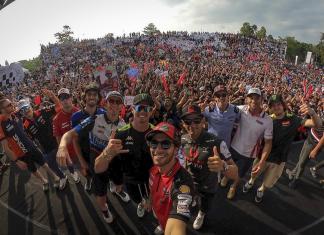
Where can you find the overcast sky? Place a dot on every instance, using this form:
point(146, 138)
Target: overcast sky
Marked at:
point(25, 24)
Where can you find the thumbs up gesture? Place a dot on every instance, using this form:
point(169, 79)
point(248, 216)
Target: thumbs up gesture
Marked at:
point(215, 163)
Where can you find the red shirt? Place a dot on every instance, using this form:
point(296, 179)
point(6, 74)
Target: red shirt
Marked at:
point(171, 193)
point(62, 124)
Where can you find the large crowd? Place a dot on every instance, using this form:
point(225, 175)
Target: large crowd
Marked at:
point(163, 120)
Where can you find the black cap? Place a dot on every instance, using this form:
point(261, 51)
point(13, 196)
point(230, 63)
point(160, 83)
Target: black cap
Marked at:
point(191, 110)
point(143, 98)
point(275, 99)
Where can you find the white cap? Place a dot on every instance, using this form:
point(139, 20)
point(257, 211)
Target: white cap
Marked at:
point(63, 91)
point(254, 91)
point(23, 104)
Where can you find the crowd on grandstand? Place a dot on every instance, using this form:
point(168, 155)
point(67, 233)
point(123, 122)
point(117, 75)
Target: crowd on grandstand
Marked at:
point(224, 106)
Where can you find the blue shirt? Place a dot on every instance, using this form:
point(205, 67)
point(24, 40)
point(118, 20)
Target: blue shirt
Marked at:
point(221, 123)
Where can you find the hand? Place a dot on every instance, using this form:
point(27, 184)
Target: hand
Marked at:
point(305, 109)
point(48, 93)
point(22, 165)
point(257, 168)
point(84, 168)
point(313, 154)
point(147, 205)
point(114, 146)
point(215, 164)
point(61, 156)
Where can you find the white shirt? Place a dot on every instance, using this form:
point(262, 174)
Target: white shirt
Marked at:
point(250, 130)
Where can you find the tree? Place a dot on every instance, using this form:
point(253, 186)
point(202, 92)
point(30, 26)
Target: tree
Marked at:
point(261, 33)
point(246, 30)
point(65, 35)
point(151, 30)
point(254, 28)
point(32, 65)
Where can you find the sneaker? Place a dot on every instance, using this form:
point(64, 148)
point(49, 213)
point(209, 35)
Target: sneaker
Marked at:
point(199, 221)
point(112, 187)
point(76, 177)
point(224, 182)
point(63, 182)
point(45, 187)
point(313, 172)
point(289, 174)
point(231, 193)
point(88, 184)
point(123, 196)
point(259, 196)
point(247, 187)
point(107, 216)
point(140, 210)
point(293, 183)
point(158, 230)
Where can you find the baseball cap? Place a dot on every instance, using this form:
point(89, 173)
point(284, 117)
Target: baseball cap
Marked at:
point(63, 91)
point(220, 89)
point(23, 104)
point(114, 94)
point(275, 99)
point(254, 91)
point(165, 128)
point(191, 110)
point(143, 98)
point(92, 87)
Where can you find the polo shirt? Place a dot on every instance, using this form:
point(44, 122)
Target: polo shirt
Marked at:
point(250, 130)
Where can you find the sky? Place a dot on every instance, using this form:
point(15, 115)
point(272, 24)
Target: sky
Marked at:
point(25, 24)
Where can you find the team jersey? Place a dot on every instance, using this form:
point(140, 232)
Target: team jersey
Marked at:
point(40, 128)
point(12, 130)
point(171, 194)
point(62, 124)
point(99, 129)
point(76, 119)
point(196, 154)
point(137, 162)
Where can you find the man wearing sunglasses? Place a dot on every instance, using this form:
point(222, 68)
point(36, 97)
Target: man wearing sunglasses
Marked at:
point(91, 99)
point(136, 161)
point(99, 129)
point(61, 125)
point(18, 146)
point(38, 125)
point(205, 155)
point(222, 120)
point(171, 186)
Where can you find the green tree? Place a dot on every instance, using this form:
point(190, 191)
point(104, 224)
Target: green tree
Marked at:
point(65, 35)
point(261, 33)
point(254, 28)
point(32, 65)
point(296, 48)
point(246, 29)
point(151, 30)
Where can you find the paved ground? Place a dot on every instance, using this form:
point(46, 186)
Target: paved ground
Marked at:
point(25, 209)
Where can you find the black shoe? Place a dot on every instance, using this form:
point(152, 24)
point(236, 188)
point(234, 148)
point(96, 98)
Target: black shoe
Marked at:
point(313, 172)
point(293, 183)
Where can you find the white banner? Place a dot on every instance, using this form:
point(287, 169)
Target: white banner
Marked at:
point(11, 74)
point(308, 57)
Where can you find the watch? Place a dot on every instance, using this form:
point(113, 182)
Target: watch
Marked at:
point(225, 166)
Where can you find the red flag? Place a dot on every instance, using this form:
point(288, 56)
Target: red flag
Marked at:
point(304, 86)
point(165, 84)
point(37, 100)
point(310, 91)
point(181, 79)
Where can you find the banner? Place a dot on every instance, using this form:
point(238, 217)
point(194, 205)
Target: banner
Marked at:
point(308, 57)
point(11, 74)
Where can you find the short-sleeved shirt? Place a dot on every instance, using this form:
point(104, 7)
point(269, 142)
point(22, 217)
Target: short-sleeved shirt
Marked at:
point(137, 163)
point(317, 133)
point(221, 123)
point(172, 193)
point(76, 119)
point(62, 124)
point(284, 132)
point(196, 155)
point(250, 130)
point(40, 128)
point(12, 130)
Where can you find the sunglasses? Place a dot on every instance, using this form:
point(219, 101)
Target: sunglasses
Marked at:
point(24, 109)
point(64, 97)
point(112, 101)
point(145, 108)
point(221, 95)
point(165, 144)
point(190, 121)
